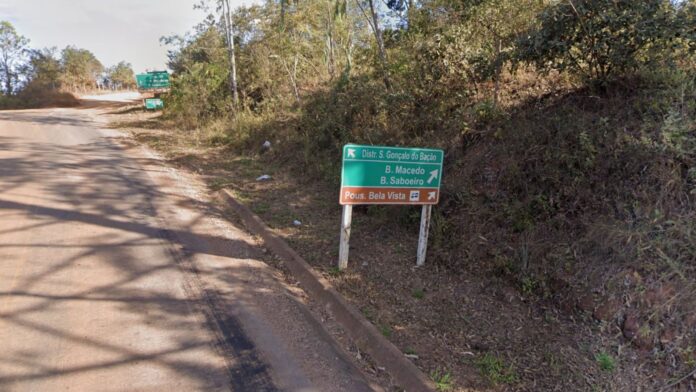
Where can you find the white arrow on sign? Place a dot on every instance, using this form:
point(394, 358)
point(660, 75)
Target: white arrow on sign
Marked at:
point(433, 175)
point(351, 153)
point(432, 195)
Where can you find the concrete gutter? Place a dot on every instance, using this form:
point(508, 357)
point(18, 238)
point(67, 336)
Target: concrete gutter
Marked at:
point(363, 333)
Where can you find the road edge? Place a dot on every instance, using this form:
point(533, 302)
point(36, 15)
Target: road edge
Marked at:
point(363, 333)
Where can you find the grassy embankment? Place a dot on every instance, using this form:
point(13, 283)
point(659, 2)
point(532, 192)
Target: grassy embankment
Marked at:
point(563, 251)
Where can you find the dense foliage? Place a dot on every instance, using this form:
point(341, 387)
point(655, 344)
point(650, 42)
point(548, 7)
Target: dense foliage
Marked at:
point(399, 71)
point(12, 53)
point(80, 67)
point(605, 39)
point(120, 76)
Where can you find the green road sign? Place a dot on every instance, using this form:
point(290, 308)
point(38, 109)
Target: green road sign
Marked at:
point(153, 103)
point(390, 175)
point(153, 80)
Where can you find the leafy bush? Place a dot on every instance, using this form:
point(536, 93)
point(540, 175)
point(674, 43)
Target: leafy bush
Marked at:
point(606, 362)
point(601, 40)
point(199, 95)
point(199, 86)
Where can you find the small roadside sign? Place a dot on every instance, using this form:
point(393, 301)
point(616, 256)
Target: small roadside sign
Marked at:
point(154, 103)
point(390, 175)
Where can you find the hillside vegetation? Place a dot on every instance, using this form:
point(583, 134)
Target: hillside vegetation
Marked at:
point(569, 129)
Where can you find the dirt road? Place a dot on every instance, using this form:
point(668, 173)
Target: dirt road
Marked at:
point(117, 274)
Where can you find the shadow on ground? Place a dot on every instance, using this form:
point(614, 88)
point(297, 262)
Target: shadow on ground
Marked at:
point(43, 185)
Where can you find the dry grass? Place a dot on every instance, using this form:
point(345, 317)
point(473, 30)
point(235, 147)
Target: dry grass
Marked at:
point(39, 99)
point(567, 221)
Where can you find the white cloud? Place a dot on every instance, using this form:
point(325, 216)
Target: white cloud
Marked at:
point(114, 30)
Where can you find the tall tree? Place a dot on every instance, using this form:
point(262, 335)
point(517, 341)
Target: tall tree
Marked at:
point(121, 76)
point(80, 68)
point(373, 20)
point(229, 36)
point(12, 52)
point(44, 69)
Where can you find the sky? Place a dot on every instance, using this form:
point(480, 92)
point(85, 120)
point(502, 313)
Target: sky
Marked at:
point(114, 30)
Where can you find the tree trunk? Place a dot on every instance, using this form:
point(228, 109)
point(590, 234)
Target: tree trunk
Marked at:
point(330, 63)
point(8, 76)
point(410, 11)
point(498, 70)
point(227, 16)
point(283, 4)
point(8, 82)
point(292, 75)
point(294, 78)
point(380, 44)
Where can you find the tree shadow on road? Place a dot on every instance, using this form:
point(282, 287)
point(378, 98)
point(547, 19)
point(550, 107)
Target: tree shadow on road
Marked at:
point(109, 203)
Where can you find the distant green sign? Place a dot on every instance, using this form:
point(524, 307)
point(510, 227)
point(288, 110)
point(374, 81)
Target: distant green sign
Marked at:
point(154, 104)
point(152, 80)
point(390, 175)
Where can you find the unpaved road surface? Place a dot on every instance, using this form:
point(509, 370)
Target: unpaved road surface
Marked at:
point(117, 274)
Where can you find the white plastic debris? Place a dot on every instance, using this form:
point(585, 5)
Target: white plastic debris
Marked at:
point(266, 145)
point(297, 223)
point(264, 177)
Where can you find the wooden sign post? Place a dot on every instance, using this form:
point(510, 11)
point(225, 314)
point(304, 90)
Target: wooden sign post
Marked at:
point(423, 234)
point(346, 218)
point(389, 175)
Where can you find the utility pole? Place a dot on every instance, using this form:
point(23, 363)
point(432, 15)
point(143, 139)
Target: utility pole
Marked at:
point(227, 16)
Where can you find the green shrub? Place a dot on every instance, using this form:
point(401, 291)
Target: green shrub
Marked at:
point(443, 380)
point(601, 40)
point(495, 370)
point(606, 362)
